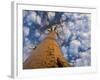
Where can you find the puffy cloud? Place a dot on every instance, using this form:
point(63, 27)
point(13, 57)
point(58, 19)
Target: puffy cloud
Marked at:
point(77, 16)
point(38, 20)
point(85, 44)
point(37, 34)
point(27, 48)
point(59, 29)
point(79, 22)
point(63, 17)
point(25, 13)
point(85, 59)
point(46, 31)
point(67, 32)
point(60, 42)
point(71, 25)
point(64, 31)
point(73, 48)
point(85, 39)
point(26, 31)
point(75, 32)
point(85, 35)
point(75, 43)
point(43, 35)
point(78, 62)
point(51, 15)
point(64, 50)
point(32, 16)
point(27, 51)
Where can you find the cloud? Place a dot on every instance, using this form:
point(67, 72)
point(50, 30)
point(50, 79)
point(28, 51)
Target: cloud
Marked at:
point(27, 48)
point(79, 62)
point(37, 34)
point(33, 16)
point(26, 31)
point(85, 39)
point(77, 16)
point(74, 45)
point(38, 19)
point(85, 59)
point(75, 34)
point(25, 13)
point(64, 50)
point(43, 35)
point(27, 51)
point(66, 31)
point(63, 31)
point(71, 25)
point(51, 15)
point(63, 17)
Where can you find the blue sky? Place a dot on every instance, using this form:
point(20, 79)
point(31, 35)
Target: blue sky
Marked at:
point(74, 38)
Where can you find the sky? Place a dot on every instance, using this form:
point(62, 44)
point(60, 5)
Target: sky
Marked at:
point(74, 31)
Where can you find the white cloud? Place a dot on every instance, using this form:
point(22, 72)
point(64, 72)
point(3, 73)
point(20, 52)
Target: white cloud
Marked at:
point(79, 27)
point(85, 59)
point(33, 16)
point(61, 35)
point(67, 14)
point(46, 31)
point(77, 16)
point(74, 47)
point(37, 33)
point(59, 28)
point(64, 50)
point(75, 42)
point(59, 41)
point(67, 33)
point(24, 13)
point(85, 55)
point(71, 25)
point(43, 35)
point(64, 31)
point(85, 44)
point(38, 19)
point(79, 24)
point(79, 62)
point(85, 39)
point(27, 49)
point(63, 17)
point(51, 15)
point(26, 31)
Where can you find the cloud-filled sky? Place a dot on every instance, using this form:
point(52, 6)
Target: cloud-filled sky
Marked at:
point(74, 35)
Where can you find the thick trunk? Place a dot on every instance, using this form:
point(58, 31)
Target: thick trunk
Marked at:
point(46, 55)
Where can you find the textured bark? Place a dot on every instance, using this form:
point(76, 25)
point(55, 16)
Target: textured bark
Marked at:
point(46, 55)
